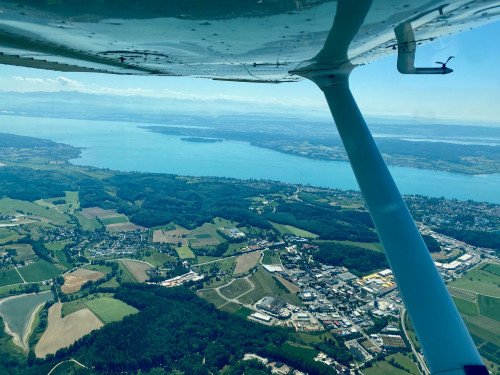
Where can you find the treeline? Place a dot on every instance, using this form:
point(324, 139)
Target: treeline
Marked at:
point(30, 185)
point(19, 141)
point(478, 238)
point(330, 223)
point(168, 198)
point(176, 330)
point(431, 243)
point(358, 260)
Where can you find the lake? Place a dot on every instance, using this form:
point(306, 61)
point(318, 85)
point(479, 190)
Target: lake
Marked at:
point(127, 147)
point(16, 312)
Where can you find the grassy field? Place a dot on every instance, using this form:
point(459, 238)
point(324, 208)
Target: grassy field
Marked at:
point(246, 262)
point(480, 312)
point(373, 246)
point(126, 276)
point(24, 251)
point(57, 247)
point(71, 307)
point(109, 309)
point(383, 368)
point(8, 235)
point(211, 296)
point(224, 265)
point(39, 271)
point(205, 235)
point(185, 252)
point(114, 219)
point(87, 224)
point(271, 257)
point(136, 269)
point(9, 276)
point(236, 288)
point(13, 206)
point(237, 309)
point(490, 307)
point(288, 229)
point(483, 279)
point(266, 285)
point(159, 259)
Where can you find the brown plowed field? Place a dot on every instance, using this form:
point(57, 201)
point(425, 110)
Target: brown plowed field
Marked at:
point(62, 332)
point(73, 281)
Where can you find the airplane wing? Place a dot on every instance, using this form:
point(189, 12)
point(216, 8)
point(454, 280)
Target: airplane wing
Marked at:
point(245, 40)
point(276, 41)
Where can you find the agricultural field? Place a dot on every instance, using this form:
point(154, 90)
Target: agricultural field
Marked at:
point(206, 235)
point(32, 211)
point(373, 246)
point(38, 271)
point(212, 296)
point(223, 265)
point(87, 224)
point(172, 237)
point(73, 281)
point(62, 332)
point(24, 251)
point(97, 212)
point(477, 296)
point(117, 219)
point(265, 285)
point(246, 262)
point(68, 203)
point(18, 313)
point(159, 259)
point(292, 288)
point(384, 368)
point(9, 276)
point(294, 231)
point(483, 279)
point(8, 235)
point(123, 227)
point(136, 269)
point(184, 252)
point(235, 288)
point(271, 257)
point(109, 310)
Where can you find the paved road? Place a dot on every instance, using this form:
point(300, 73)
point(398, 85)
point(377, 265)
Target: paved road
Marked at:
point(419, 357)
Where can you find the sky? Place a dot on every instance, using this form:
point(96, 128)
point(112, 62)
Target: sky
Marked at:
point(470, 95)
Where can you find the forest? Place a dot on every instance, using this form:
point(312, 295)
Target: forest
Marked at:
point(358, 260)
point(177, 330)
point(329, 222)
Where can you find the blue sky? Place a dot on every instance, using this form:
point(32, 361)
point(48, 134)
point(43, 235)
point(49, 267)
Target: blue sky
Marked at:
point(469, 95)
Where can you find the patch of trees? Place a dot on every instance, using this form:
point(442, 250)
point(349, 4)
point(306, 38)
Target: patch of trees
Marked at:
point(329, 223)
point(213, 251)
point(29, 185)
point(358, 260)
point(431, 243)
point(478, 238)
point(176, 330)
point(167, 198)
point(38, 248)
point(297, 357)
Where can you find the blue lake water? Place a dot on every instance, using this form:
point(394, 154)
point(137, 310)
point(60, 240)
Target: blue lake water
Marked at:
point(126, 147)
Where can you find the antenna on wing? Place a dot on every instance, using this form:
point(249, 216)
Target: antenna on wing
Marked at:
point(443, 64)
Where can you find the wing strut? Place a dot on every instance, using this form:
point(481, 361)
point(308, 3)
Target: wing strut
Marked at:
point(447, 345)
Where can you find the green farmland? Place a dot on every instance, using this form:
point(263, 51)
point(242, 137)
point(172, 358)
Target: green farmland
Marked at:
point(109, 309)
point(39, 271)
point(288, 229)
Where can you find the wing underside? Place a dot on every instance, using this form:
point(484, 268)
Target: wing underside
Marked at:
point(251, 41)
